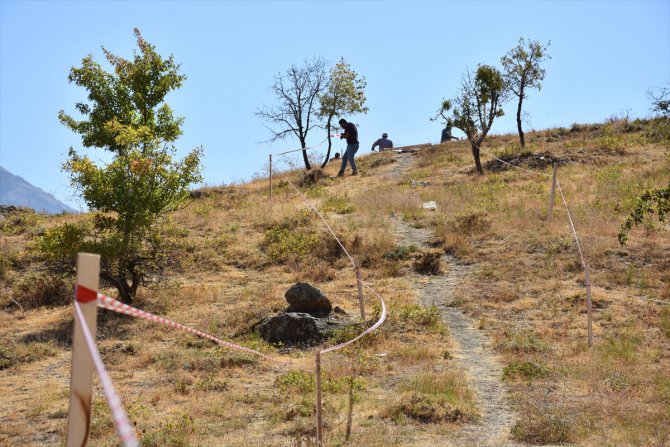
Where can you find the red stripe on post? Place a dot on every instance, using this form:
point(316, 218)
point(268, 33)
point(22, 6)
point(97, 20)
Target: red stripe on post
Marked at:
point(86, 295)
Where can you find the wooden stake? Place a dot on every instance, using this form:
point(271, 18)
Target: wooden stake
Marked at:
point(587, 274)
point(270, 185)
point(359, 282)
point(553, 192)
point(81, 376)
point(319, 420)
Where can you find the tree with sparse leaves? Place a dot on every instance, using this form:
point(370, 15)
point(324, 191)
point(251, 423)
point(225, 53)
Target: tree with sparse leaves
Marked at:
point(522, 70)
point(657, 201)
point(132, 196)
point(477, 104)
point(344, 95)
point(296, 113)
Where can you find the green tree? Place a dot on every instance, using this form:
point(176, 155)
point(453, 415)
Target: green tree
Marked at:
point(131, 197)
point(297, 92)
point(651, 202)
point(522, 70)
point(344, 95)
point(477, 104)
point(658, 128)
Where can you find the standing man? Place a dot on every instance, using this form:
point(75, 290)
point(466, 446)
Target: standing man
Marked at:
point(351, 134)
point(383, 143)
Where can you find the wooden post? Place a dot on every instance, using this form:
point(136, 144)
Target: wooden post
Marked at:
point(359, 282)
point(587, 274)
point(270, 185)
point(81, 376)
point(319, 420)
point(553, 192)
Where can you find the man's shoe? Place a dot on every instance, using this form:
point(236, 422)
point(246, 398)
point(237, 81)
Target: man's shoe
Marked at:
point(354, 173)
point(340, 174)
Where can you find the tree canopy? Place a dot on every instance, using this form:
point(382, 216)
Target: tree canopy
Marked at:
point(522, 70)
point(344, 95)
point(132, 196)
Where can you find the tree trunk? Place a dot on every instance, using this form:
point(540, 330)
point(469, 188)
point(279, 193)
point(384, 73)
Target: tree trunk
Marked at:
point(518, 122)
point(330, 143)
point(303, 145)
point(475, 154)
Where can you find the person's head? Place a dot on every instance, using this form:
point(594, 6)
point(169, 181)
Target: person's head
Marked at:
point(343, 122)
point(385, 135)
point(449, 123)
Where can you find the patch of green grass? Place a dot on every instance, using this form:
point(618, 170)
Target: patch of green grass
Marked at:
point(622, 346)
point(338, 205)
point(523, 342)
point(401, 253)
point(524, 370)
point(173, 432)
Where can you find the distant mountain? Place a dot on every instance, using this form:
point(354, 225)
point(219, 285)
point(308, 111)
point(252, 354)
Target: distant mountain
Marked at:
point(16, 191)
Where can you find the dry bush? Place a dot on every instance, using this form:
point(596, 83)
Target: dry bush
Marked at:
point(42, 289)
point(429, 262)
point(312, 177)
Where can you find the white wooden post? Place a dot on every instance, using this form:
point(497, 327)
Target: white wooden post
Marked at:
point(359, 282)
point(81, 377)
point(587, 275)
point(319, 420)
point(553, 192)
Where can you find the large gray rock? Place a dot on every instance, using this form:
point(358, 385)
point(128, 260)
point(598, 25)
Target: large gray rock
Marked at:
point(303, 297)
point(294, 328)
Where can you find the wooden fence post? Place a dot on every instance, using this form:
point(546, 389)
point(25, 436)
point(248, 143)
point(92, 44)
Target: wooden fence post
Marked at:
point(81, 377)
point(319, 418)
point(587, 275)
point(270, 185)
point(553, 192)
point(359, 282)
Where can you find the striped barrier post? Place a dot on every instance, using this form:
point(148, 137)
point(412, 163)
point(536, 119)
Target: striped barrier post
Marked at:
point(81, 381)
point(553, 192)
point(319, 417)
point(270, 185)
point(587, 277)
point(359, 283)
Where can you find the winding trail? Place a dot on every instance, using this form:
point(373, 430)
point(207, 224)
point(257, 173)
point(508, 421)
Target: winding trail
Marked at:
point(473, 348)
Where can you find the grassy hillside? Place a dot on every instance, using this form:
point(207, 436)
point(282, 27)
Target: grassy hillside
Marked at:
point(524, 288)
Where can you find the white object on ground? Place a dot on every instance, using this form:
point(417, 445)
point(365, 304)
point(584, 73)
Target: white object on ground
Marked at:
point(429, 205)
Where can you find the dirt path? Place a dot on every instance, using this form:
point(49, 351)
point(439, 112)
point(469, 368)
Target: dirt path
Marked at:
point(473, 352)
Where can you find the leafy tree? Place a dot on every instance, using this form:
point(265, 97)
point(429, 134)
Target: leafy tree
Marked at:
point(132, 196)
point(651, 202)
point(477, 104)
point(297, 92)
point(344, 95)
point(658, 127)
point(522, 70)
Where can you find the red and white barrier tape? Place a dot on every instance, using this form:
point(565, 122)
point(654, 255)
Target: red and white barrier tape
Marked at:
point(572, 225)
point(125, 430)
point(367, 331)
point(110, 303)
point(353, 263)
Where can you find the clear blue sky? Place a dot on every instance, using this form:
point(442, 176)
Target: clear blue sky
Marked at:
point(605, 56)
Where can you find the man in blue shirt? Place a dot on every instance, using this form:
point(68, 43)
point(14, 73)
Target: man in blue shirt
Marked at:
point(383, 143)
point(351, 134)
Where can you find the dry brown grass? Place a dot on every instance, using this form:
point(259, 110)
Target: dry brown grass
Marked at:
point(525, 288)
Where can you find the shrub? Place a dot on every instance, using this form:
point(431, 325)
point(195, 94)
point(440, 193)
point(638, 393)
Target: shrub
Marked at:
point(429, 262)
point(523, 342)
point(42, 289)
point(283, 244)
point(470, 224)
point(524, 370)
point(427, 409)
point(543, 427)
